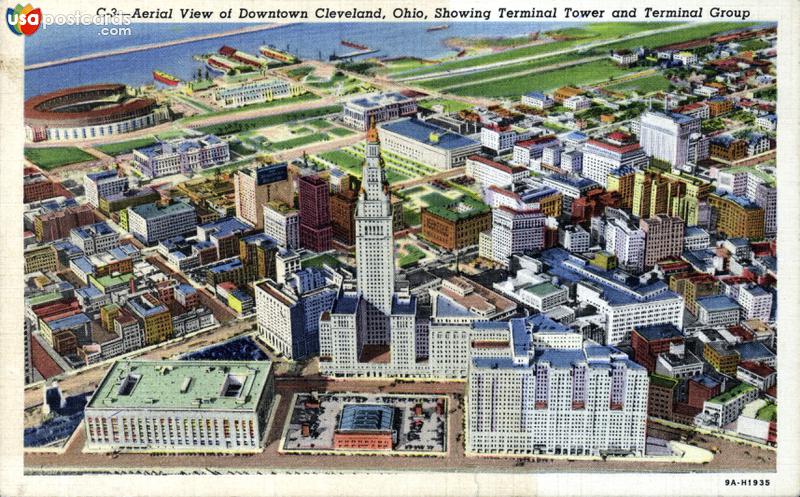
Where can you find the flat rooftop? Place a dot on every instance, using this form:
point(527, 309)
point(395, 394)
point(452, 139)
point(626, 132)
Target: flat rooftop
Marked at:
point(206, 385)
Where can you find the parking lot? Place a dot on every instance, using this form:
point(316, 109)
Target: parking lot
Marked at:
point(420, 421)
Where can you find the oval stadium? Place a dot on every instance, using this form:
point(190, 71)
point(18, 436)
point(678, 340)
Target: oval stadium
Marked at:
point(89, 112)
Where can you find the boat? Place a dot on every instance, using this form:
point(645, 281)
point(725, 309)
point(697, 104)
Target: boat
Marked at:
point(279, 55)
point(243, 57)
point(167, 79)
point(351, 44)
point(438, 28)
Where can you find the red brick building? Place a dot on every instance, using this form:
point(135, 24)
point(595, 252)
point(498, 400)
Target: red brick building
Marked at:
point(650, 341)
point(315, 214)
point(700, 389)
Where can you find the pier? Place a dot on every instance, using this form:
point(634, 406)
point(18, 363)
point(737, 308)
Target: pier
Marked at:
point(150, 46)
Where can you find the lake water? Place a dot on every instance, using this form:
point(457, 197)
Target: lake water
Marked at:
point(309, 41)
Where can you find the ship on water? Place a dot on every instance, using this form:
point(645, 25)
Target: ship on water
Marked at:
point(353, 44)
point(438, 28)
point(167, 79)
point(279, 55)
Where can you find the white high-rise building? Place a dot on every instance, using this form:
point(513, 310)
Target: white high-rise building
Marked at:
point(626, 242)
point(283, 224)
point(515, 231)
point(375, 243)
point(616, 150)
point(666, 136)
point(550, 392)
point(103, 184)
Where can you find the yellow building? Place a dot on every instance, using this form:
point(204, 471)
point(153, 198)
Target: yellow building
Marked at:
point(41, 258)
point(737, 217)
point(154, 316)
point(656, 192)
point(551, 205)
point(622, 180)
point(721, 357)
point(604, 260)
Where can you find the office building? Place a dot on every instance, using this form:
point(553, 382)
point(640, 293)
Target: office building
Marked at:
point(663, 238)
point(282, 223)
point(150, 223)
point(515, 232)
point(534, 398)
point(104, 184)
point(184, 406)
point(315, 214)
point(500, 138)
point(666, 136)
point(57, 224)
point(343, 212)
point(616, 150)
point(675, 194)
point(254, 92)
point(626, 243)
point(426, 143)
point(457, 224)
point(359, 112)
point(94, 238)
point(289, 313)
point(153, 316)
point(254, 187)
point(182, 155)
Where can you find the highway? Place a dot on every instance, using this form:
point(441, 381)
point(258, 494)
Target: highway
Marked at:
point(150, 46)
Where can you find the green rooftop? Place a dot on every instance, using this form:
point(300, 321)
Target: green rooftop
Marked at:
point(763, 176)
point(663, 381)
point(768, 413)
point(208, 385)
point(111, 281)
point(543, 289)
point(45, 297)
point(734, 392)
point(462, 208)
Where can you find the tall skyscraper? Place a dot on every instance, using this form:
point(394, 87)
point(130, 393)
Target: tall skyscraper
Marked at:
point(663, 238)
point(375, 243)
point(315, 214)
point(255, 187)
point(666, 136)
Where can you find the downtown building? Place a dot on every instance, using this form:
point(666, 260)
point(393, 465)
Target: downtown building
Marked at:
point(181, 406)
point(666, 137)
point(516, 231)
point(426, 143)
point(615, 151)
point(183, 155)
point(288, 313)
point(151, 223)
point(104, 184)
point(360, 112)
point(283, 224)
point(315, 214)
point(536, 387)
point(254, 187)
point(663, 238)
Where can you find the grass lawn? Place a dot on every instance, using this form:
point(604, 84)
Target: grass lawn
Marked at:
point(393, 176)
point(583, 74)
point(125, 147)
point(449, 105)
point(648, 84)
point(436, 199)
point(319, 260)
point(340, 132)
point(585, 34)
point(299, 141)
point(263, 122)
point(53, 157)
point(411, 217)
point(299, 72)
point(169, 135)
point(344, 160)
point(413, 254)
point(306, 97)
point(319, 123)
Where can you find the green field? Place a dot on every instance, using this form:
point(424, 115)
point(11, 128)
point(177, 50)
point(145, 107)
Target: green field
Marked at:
point(299, 141)
point(645, 85)
point(263, 122)
point(412, 255)
point(305, 97)
point(593, 72)
point(319, 123)
point(345, 161)
point(340, 132)
point(587, 34)
point(393, 176)
point(53, 157)
point(449, 105)
point(411, 217)
point(125, 147)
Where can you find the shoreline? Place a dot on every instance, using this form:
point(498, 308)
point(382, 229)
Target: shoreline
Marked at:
point(151, 46)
